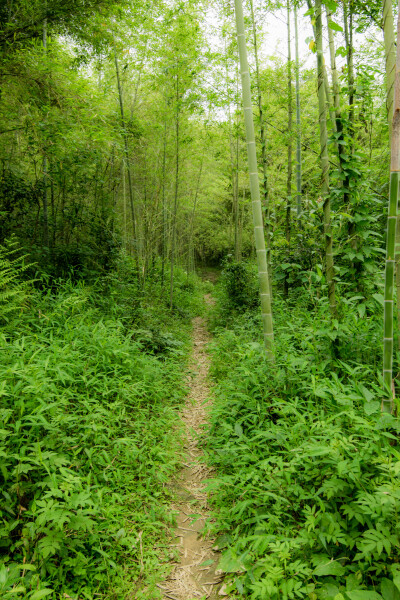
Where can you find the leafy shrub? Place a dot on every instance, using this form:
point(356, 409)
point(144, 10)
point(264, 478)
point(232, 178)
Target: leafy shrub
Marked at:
point(239, 281)
point(307, 489)
point(13, 289)
point(87, 444)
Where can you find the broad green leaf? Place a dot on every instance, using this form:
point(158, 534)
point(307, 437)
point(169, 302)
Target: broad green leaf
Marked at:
point(230, 563)
point(331, 568)
point(388, 590)
point(379, 298)
point(335, 26)
point(41, 594)
point(238, 429)
point(363, 595)
point(372, 407)
point(331, 4)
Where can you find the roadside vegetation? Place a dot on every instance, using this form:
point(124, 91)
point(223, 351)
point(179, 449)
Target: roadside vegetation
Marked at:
point(307, 490)
point(92, 377)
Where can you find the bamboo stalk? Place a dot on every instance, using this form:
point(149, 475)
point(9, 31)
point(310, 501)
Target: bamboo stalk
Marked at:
point(136, 252)
point(254, 185)
point(324, 162)
point(390, 57)
point(298, 118)
point(289, 151)
point(263, 140)
point(326, 88)
point(45, 170)
point(176, 194)
point(387, 403)
point(390, 64)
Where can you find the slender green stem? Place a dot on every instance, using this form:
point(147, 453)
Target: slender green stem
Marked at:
point(298, 118)
point(324, 162)
point(387, 403)
point(254, 185)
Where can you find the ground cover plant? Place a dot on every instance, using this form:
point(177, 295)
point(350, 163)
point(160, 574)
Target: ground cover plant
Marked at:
point(307, 489)
point(88, 438)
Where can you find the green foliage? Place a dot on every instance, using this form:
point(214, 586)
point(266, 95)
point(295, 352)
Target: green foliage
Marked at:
point(307, 489)
point(240, 284)
point(87, 445)
point(13, 291)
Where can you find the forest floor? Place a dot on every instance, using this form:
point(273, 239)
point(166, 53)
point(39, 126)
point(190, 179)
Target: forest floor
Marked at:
point(194, 575)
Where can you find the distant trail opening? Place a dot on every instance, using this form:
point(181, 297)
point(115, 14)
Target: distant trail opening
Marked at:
point(194, 576)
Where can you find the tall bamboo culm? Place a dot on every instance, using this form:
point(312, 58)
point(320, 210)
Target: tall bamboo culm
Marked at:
point(387, 403)
point(390, 63)
point(254, 185)
point(263, 140)
point(324, 162)
point(298, 117)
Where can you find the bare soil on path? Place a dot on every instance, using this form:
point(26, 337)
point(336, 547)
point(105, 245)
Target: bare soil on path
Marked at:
point(195, 575)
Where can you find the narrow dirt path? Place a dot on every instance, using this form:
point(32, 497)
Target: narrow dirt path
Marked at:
point(194, 577)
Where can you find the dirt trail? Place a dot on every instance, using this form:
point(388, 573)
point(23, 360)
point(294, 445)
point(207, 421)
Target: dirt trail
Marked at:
point(194, 577)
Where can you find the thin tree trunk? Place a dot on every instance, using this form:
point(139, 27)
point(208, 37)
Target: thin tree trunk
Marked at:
point(164, 208)
point(390, 57)
point(348, 36)
point(45, 203)
point(125, 225)
point(289, 149)
point(387, 403)
point(390, 62)
point(128, 164)
point(191, 247)
point(236, 188)
point(324, 162)
point(175, 209)
point(263, 139)
point(298, 118)
point(254, 185)
point(336, 92)
point(326, 88)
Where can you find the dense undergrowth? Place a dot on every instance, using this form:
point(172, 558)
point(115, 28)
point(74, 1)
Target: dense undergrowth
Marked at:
point(307, 492)
point(90, 379)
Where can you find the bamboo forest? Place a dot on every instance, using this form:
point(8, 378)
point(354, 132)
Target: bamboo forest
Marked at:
point(199, 300)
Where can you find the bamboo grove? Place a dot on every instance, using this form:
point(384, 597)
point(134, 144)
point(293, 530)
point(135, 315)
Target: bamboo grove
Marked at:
point(141, 142)
point(97, 118)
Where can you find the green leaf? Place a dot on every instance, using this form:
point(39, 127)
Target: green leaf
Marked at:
point(334, 26)
point(341, 51)
point(332, 5)
point(331, 568)
point(389, 590)
point(379, 298)
point(371, 407)
point(363, 595)
point(238, 429)
point(366, 393)
point(230, 563)
point(41, 594)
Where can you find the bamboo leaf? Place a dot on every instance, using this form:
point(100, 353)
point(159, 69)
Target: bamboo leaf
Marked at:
point(334, 26)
